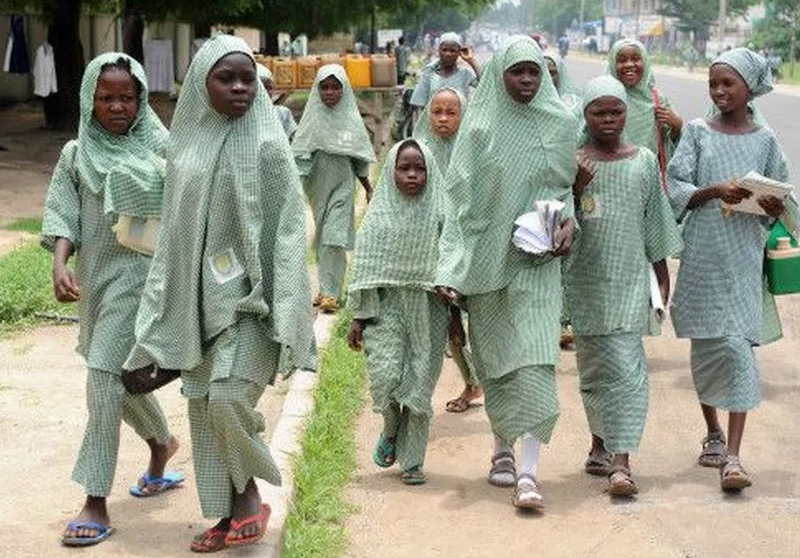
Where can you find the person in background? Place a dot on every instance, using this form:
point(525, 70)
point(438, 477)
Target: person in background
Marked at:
point(284, 113)
point(402, 56)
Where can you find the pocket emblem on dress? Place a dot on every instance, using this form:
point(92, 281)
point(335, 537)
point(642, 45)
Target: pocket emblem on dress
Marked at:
point(225, 266)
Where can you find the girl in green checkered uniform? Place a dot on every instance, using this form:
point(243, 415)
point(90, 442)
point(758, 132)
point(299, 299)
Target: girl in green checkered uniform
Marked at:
point(400, 322)
point(115, 168)
point(516, 146)
point(227, 301)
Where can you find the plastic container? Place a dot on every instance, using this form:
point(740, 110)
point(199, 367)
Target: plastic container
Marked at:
point(359, 71)
point(384, 71)
point(284, 72)
point(783, 268)
point(307, 71)
point(326, 59)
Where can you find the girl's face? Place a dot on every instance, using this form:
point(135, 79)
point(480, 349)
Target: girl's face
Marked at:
point(522, 81)
point(605, 118)
point(448, 54)
point(727, 88)
point(231, 85)
point(331, 91)
point(410, 172)
point(116, 100)
point(552, 68)
point(445, 114)
point(630, 66)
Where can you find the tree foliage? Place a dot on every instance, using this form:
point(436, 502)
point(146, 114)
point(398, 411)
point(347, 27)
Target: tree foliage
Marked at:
point(698, 15)
point(555, 16)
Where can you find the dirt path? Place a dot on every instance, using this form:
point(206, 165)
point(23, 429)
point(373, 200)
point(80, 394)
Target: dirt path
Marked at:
point(679, 513)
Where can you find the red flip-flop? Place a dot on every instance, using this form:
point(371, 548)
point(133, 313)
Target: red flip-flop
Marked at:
point(211, 540)
point(260, 519)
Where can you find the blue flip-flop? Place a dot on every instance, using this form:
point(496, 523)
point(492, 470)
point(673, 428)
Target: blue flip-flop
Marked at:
point(170, 480)
point(103, 532)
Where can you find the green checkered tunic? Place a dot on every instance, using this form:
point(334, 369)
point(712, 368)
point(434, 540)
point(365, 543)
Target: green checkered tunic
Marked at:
point(227, 298)
point(97, 176)
point(508, 156)
point(626, 225)
point(720, 292)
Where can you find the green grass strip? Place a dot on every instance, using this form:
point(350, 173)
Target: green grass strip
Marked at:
point(31, 225)
point(26, 287)
point(315, 527)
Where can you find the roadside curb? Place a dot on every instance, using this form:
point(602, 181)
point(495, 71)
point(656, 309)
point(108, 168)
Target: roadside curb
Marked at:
point(286, 442)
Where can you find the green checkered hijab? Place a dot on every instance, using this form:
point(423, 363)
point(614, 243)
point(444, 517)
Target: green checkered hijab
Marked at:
point(128, 170)
point(640, 127)
point(754, 71)
point(507, 156)
point(231, 182)
point(397, 244)
point(339, 130)
point(442, 148)
point(263, 72)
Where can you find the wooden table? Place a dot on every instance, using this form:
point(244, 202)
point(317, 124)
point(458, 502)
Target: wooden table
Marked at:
point(373, 111)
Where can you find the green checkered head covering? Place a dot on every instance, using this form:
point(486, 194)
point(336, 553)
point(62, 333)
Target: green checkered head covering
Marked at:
point(751, 66)
point(397, 244)
point(442, 148)
point(507, 156)
point(603, 86)
point(640, 127)
point(128, 170)
point(264, 73)
point(339, 130)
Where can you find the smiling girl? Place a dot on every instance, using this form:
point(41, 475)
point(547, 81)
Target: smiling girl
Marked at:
point(516, 146)
point(720, 302)
point(399, 321)
point(227, 300)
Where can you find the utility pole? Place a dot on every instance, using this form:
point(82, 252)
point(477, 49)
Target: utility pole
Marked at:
point(638, 17)
point(723, 14)
point(583, 10)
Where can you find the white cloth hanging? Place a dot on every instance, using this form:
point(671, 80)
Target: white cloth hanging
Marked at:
point(7, 58)
point(159, 64)
point(44, 71)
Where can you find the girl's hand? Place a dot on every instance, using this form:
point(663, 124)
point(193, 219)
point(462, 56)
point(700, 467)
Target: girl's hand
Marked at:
point(355, 338)
point(774, 207)
point(731, 194)
point(669, 117)
point(585, 175)
point(468, 55)
point(448, 296)
point(65, 284)
point(564, 237)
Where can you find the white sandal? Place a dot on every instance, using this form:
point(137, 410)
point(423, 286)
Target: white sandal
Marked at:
point(528, 494)
point(504, 471)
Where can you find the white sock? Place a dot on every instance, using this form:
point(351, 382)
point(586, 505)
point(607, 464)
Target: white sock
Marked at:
point(501, 446)
point(531, 447)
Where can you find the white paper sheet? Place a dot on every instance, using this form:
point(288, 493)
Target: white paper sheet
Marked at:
point(536, 230)
point(759, 186)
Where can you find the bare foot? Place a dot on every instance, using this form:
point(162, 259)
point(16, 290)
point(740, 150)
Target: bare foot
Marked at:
point(462, 402)
point(249, 518)
point(160, 454)
point(94, 510)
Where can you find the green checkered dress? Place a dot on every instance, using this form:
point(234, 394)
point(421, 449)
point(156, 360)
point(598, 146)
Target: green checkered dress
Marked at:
point(507, 156)
point(626, 225)
point(720, 294)
point(227, 298)
point(99, 176)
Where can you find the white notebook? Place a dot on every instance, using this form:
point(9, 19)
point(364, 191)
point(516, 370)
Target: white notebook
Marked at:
point(759, 186)
point(536, 230)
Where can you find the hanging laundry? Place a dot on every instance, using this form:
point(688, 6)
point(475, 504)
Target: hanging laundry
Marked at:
point(159, 64)
point(44, 71)
point(16, 57)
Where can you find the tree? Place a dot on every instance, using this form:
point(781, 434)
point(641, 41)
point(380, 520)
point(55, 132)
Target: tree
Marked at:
point(697, 16)
point(555, 16)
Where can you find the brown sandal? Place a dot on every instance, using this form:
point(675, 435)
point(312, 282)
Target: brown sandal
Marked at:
point(620, 483)
point(732, 476)
point(714, 450)
point(598, 465)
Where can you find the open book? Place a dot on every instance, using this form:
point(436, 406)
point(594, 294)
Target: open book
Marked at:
point(759, 186)
point(536, 230)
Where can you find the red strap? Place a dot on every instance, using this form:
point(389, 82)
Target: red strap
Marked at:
point(662, 153)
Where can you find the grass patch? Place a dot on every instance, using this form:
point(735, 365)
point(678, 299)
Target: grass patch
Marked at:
point(26, 287)
point(31, 225)
point(315, 527)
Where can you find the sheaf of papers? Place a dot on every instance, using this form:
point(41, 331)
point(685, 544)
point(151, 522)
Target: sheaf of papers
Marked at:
point(656, 302)
point(536, 230)
point(759, 186)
